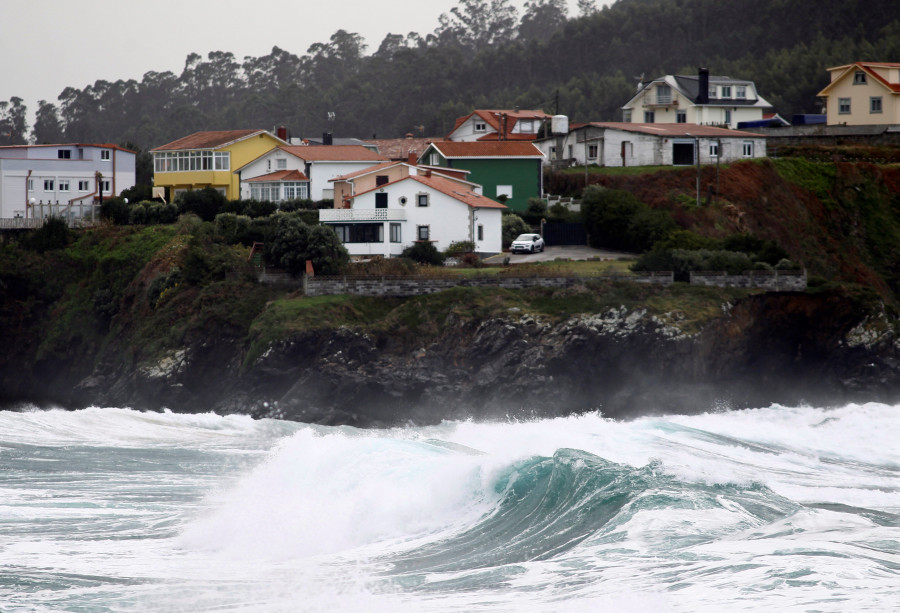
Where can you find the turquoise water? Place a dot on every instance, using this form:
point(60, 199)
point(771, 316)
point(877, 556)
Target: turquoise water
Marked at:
point(780, 508)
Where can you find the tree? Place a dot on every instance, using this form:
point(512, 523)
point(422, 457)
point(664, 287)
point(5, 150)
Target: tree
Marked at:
point(542, 18)
point(47, 127)
point(205, 203)
point(477, 24)
point(13, 124)
point(586, 8)
point(291, 243)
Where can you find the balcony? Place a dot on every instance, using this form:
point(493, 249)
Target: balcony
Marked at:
point(346, 215)
point(661, 100)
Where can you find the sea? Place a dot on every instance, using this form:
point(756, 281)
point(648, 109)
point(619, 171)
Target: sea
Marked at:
point(778, 508)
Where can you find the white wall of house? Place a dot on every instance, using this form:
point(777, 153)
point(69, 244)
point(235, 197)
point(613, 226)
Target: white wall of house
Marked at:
point(319, 172)
point(649, 150)
point(58, 182)
point(467, 132)
point(448, 220)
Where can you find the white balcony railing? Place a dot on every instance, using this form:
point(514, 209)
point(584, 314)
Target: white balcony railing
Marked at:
point(333, 215)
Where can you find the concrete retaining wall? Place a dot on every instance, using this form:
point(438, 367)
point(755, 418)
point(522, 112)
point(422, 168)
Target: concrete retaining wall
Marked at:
point(785, 281)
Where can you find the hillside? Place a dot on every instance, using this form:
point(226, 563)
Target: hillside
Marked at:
point(171, 316)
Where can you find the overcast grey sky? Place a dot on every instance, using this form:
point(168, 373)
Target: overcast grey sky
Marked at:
point(48, 45)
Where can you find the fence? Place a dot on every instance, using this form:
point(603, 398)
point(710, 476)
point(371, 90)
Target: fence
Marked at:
point(777, 281)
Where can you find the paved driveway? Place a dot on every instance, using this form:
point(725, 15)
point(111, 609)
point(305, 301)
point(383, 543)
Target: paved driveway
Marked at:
point(565, 252)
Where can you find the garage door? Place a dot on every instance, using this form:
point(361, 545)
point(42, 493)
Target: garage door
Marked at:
point(683, 154)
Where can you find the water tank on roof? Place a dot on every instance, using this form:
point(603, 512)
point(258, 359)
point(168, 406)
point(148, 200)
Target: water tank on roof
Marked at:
point(559, 124)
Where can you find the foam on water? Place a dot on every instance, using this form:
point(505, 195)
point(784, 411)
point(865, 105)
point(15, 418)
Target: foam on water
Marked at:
point(787, 508)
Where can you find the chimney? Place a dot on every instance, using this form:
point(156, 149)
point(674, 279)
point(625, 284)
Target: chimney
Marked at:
point(428, 173)
point(411, 158)
point(703, 86)
point(326, 138)
point(282, 133)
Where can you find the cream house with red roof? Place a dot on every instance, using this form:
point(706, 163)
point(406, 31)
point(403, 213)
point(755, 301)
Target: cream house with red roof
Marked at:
point(863, 93)
point(421, 206)
point(206, 159)
point(513, 124)
point(306, 167)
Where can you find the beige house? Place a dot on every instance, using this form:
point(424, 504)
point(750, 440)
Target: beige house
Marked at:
point(863, 93)
point(701, 99)
point(347, 186)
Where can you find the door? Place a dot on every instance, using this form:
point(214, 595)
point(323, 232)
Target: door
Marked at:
point(682, 154)
point(381, 200)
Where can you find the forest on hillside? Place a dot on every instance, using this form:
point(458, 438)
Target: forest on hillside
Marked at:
point(482, 54)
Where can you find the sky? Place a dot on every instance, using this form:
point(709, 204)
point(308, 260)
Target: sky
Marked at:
point(48, 45)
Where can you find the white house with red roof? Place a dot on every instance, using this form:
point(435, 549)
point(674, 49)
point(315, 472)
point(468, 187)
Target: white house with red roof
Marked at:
point(300, 171)
point(484, 125)
point(37, 181)
point(421, 206)
point(863, 93)
point(650, 144)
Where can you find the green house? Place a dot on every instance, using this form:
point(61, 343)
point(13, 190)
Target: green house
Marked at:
point(502, 168)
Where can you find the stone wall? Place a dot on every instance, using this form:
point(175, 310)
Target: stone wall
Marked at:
point(407, 286)
point(784, 281)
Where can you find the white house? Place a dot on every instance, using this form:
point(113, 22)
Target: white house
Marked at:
point(512, 124)
point(37, 181)
point(307, 168)
point(650, 144)
point(422, 206)
point(699, 99)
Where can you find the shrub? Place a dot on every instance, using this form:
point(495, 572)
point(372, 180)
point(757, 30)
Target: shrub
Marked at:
point(54, 234)
point(681, 262)
point(459, 247)
point(291, 242)
point(617, 219)
point(786, 264)
point(205, 203)
point(424, 252)
point(512, 225)
point(115, 210)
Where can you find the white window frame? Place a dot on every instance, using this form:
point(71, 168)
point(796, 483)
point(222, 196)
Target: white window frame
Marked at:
point(84, 185)
point(221, 160)
point(592, 151)
point(396, 232)
point(714, 150)
point(663, 94)
point(740, 91)
point(64, 154)
point(859, 77)
point(434, 159)
point(106, 186)
point(31, 185)
point(281, 164)
point(105, 154)
point(481, 126)
point(48, 185)
point(63, 185)
point(747, 148)
point(681, 116)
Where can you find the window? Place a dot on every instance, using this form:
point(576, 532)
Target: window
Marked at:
point(480, 126)
point(268, 165)
point(626, 116)
point(422, 200)
point(48, 185)
point(875, 104)
point(740, 91)
point(649, 116)
point(712, 92)
point(434, 159)
point(31, 185)
point(728, 117)
point(714, 150)
point(381, 180)
point(571, 152)
point(381, 200)
point(63, 185)
point(525, 126)
point(592, 152)
point(480, 232)
point(84, 185)
point(748, 149)
point(423, 232)
point(64, 154)
point(281, 164)
point(505, 190)
point(680, 116)
point(294, 190)
point(395, 233)
point(270, 191)
point(360, 232)
point(663, 94)
point(104, 154)
point(222, 160)
point(844, 106)
point(726, 91)
point(105, 186)
point(552, 152)
point(859, 78)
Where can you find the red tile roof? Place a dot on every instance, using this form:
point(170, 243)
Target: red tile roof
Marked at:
point(334, 153)
point(492, 117)
point(366, 171)
point(488, 149)
point(446, 186)
point(281, 175)
point(209, 140)
point(400, 148)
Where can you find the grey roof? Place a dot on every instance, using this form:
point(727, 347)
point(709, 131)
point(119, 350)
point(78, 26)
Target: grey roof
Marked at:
point(690, 87)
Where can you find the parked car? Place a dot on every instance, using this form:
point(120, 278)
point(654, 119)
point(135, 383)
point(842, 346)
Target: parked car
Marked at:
point(527, 243)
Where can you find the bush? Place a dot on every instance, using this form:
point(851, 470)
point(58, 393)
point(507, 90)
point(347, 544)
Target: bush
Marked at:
point(459, 247)
point(160, 213)
point(681, 262)
point(206, 203)
point(115, 210)
point(424, 252)
point(137, 214)
point(512, 225)
point(291, 242)
point(616, 219)
point(54, 234)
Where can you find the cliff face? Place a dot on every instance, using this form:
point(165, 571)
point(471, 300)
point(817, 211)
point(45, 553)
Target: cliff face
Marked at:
point(774, 348)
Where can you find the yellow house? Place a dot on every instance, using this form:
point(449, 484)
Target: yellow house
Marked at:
point(206, 159)
point(863, 93)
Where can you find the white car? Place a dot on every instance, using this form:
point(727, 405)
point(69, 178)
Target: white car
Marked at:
point(527, 243)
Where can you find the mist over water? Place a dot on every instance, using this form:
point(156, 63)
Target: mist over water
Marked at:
point(785, 508)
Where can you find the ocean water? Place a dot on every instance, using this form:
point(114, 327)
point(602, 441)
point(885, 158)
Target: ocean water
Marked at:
point(777, 508)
